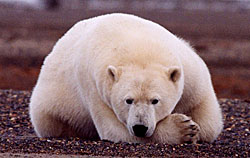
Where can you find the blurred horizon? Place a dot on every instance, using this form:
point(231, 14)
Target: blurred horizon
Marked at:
point(218, 30)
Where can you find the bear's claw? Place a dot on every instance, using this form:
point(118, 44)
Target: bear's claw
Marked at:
point(189, 130)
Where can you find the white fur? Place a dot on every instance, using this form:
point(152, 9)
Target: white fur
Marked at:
point(101, 62)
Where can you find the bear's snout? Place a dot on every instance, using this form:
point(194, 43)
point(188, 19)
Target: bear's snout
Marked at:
point(141, 120)
point(140, 130)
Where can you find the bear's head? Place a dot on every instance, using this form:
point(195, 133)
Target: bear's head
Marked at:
point(141, 97)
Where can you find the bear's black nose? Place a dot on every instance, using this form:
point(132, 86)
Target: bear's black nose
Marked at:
point(140, 130)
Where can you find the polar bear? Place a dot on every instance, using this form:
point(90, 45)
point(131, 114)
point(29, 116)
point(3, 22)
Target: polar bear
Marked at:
point(123, 78)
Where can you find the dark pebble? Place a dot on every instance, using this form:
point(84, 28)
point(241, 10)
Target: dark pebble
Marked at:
point(17, 135)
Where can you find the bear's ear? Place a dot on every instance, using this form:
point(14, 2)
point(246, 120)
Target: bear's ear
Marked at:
point(173, 73)
point(113, 73)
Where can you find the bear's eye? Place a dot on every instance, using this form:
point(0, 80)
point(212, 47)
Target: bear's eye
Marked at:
point(129, 101)
point(154, 101)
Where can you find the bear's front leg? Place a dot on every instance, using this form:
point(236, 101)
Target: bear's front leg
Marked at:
point(176, 129)
point(108, 126)
point(209, 117)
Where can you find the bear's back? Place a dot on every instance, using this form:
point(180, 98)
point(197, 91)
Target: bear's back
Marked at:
point(119, 39)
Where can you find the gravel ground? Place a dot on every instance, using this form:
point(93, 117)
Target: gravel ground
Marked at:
point(17, 135)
